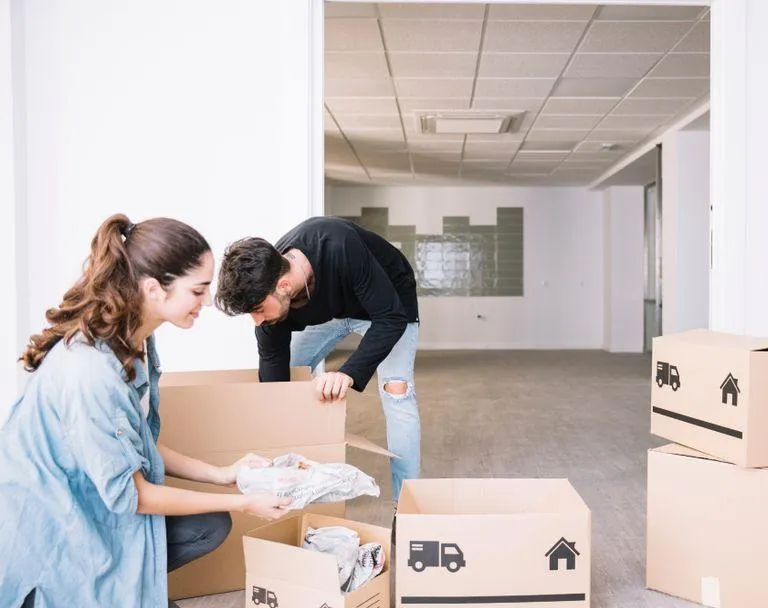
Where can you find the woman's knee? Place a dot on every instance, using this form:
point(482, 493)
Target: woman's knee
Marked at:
point(220, 527)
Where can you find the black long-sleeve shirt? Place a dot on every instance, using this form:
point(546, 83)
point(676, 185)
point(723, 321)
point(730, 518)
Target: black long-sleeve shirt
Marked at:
point(358, 275)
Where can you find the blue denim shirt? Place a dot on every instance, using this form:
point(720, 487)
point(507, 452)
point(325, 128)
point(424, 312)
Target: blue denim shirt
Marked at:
point(68, 452)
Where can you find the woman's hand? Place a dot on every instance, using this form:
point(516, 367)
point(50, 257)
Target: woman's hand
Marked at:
point(228, 475)
point(266, 506)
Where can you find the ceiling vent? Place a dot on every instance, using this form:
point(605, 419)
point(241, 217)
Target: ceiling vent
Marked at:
point(467, 122)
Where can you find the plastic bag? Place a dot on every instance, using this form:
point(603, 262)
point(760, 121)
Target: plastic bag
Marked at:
point(357, 563)
point(305, 481)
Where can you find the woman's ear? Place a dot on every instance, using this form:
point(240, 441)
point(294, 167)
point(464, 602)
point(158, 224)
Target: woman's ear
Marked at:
point(152, 290)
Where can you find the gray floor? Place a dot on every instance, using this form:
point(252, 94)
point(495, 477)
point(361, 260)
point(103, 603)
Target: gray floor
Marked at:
point(583, 415)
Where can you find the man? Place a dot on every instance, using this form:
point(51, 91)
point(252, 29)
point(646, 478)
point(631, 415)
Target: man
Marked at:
point(323, 280)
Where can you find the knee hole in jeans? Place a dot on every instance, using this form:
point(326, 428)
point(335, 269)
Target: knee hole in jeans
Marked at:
point(397, 388)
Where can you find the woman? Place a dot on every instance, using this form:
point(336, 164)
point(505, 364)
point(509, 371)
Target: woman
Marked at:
point(82, 500)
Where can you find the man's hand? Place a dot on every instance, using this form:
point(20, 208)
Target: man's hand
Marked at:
point(228, 475)
point(267, 506)
point(332, 386)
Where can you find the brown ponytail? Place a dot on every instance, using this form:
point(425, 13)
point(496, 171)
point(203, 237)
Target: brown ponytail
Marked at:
point(105, 303)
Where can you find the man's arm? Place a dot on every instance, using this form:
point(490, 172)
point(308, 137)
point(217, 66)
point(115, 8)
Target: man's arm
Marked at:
point(381, 301)
point(274, 352)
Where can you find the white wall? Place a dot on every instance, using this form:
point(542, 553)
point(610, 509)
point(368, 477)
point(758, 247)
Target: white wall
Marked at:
point(624, 222)
point(739, 282)
point(562, 306)
point(158, 108)
point(685, 231)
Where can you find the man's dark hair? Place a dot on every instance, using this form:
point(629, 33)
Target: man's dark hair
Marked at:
point(249, 273)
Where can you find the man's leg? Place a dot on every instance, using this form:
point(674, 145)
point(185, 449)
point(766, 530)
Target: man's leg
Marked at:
point(193, 536)
point(315, 343)
point(398, 399)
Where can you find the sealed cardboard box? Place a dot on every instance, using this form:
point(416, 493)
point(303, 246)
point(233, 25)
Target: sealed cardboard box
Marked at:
point(492, 541)
point(706, 526)
point(710, 393)
point(218, 417)
point(280, 573)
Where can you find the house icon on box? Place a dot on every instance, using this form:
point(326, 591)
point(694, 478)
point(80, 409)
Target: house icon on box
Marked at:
point(730, 387)
point(562, 549)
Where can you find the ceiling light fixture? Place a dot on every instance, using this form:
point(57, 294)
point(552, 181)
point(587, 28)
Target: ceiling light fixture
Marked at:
point(468, 122)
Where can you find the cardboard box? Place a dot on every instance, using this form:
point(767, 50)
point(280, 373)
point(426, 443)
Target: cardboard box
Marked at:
point(279, 571)
point(492, 541)
point(706, 523)
point(710, 393)
point(220, 416)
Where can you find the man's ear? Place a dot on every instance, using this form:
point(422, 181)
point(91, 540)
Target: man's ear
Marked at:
point(283, 285)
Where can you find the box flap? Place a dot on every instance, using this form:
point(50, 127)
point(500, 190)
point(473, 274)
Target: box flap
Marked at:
point(361, 443)
point(676, 449)
point(241, 416)
point(704, 337)
point(224, 376)
point(274, 551)
point(492, 496)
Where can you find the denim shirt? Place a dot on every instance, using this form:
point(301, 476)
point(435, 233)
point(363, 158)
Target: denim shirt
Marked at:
point(68, 452)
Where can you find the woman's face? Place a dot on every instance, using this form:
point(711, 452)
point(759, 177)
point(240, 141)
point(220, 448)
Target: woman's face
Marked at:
point(181, 302)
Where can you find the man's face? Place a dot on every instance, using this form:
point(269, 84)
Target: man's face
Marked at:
point(272, 310)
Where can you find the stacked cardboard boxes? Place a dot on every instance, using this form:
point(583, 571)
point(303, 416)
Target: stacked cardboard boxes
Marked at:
point(707, 492)
point(220, 416)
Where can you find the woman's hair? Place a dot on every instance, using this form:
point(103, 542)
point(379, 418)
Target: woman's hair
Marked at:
point(105, 303)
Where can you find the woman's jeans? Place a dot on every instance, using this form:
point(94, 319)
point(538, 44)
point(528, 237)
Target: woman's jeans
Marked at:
point(188, 536)
point(315, 343)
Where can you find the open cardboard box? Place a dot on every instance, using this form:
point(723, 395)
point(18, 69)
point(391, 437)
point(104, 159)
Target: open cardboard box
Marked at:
point(218, 417)
point(710, 392)
point(280, 573)
point(492, 541)
point(706, 523)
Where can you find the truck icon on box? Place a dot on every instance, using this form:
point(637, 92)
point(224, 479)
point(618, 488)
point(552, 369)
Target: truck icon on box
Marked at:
point(263, 596)
point(667, 374)
point(434, 554)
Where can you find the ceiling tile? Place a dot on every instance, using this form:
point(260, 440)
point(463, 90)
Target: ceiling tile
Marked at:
point(529, 104)
point(553, 121)
point(611, 65)
point(513, 87)
point(377, 146)
point(416, 137)
point(485, 150)
point(367, 105)
point(541, 155)
point(433, 65)
point(409, 106)
point(671, 87)
point(432, 11)
point(448, 148)
point(697, 41)
point(611, 135)
point(579, 105)
point(533, 36)
point(633, 37)
point(334, 10)
point(385, 163)
point(434, 87)
point(349, 176)
point(681, 65)
point(488, 164)
point(368, 121)
point(358, 87)
point(593, 87)
point(652, 106)
point(596, 157)
point(649, 13)
point(522, 65)
point(554, 12)
point(536, 168)
point(369, 137)
point(556, 135)
point(595, 147)
point(432, 36)
point(352, 35)
point(355, 65)
point(628, 121)
point(500, 138)
point(328, 123)
point(561, 144)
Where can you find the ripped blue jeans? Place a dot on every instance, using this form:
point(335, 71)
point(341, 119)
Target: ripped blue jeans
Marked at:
point(311, 346)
